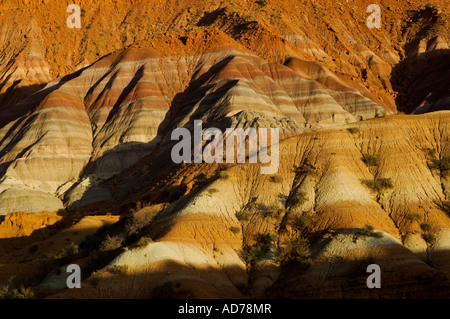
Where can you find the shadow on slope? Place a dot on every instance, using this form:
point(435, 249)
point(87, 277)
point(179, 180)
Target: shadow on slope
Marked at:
point(423, 82)
point(345, 279)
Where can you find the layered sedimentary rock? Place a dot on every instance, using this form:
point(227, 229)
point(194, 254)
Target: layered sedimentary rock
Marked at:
point(104, 118)
point(88, 126)
point(202, 230)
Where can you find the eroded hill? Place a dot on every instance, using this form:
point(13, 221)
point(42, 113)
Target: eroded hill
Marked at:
point(86, 117)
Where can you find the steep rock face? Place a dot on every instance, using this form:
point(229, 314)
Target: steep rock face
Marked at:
point(420, 92)
point(332, 34)
point(422, 77)
point(22, 224)
point(24, 69)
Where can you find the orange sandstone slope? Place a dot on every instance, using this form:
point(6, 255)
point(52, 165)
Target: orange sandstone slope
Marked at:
point(37, 45)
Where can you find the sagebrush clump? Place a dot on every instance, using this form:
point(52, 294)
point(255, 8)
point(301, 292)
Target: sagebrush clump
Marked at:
point(304, 223)
point(414, 217)
point(297, 199)
point(223, 175)
point(243, 215)
point(368, 231)
point(66, 252)
point(378, 184)
point(118, 269)
point(295, 251)
point(111, 243)
point(442, 165)
point(143, 242)
point(272, 212)
point(276, 179)
point(7, 292)
point(254, 253)
point(371, 159)
point(235, 230)
point(429, 238)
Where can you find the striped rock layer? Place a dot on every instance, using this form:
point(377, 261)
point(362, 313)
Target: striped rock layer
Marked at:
point(91, 125)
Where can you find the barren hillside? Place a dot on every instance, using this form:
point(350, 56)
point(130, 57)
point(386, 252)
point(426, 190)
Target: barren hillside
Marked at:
point(86, 175)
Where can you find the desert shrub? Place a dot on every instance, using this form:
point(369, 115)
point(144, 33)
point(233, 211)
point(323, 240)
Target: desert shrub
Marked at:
point(371, 160)
point(254, 253)
point(425, 227)
point(295, 251)
point(442, 165)
point(22, 293)
point(212, 191)
point(235, 230)
point(201, 179)
point(276, 179)
point(368, 231)
point(353, 130)
point(299, 198)
point(243, 215)
point(223, 175)
point(446, 207)
point(118, 269)
point(429, 237)
point(125, 219)
point(304, 223)
point(272, 211)
point(143, 242)
point(378, 184)
point(96, 277)
point(414, 217)
point(7, 292)
point(266, 239)
point(136, 223)
point(111, 243)
point(4, 292)
point(92, 241)
point(305, 169)
point(66, 252)
point(261, 3)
